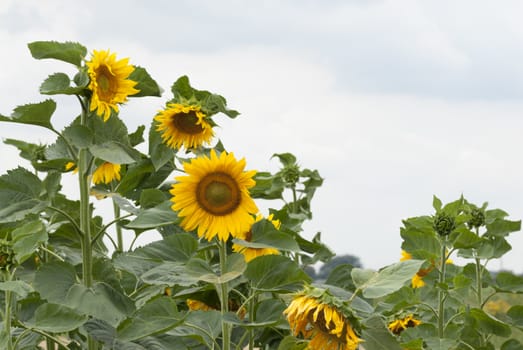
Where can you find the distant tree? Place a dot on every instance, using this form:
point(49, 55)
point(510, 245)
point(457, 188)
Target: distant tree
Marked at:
point(326, 268)
point(309, 270)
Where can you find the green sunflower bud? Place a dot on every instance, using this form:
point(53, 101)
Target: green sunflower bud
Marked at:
point(6, 256)
point(444, 224)
point(477, 218)
point(291, 174)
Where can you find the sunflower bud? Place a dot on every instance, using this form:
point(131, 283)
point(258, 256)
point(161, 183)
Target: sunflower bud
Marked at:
point(6, 256)
point(477, 218)
point(444, 224)
point(291, 174)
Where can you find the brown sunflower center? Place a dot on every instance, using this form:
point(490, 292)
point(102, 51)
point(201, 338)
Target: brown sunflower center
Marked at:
point(187, 123)
point(218, 193)
point(107, 84)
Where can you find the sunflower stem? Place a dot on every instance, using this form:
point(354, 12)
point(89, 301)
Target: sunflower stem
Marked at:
point(119, 235)
point(224, 297)
point(252, 304)
point(441, 296)
point(479, 284)
point(7, 313)
point(85, 219)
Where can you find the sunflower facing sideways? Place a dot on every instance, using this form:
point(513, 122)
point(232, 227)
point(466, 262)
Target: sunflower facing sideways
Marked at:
point(321, 322)
point(109, 82)
point(184, 125)
point(214, 196)
point(249, 252)
point(106, 173)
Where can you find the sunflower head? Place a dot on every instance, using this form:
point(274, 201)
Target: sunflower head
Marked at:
point(477, 218)
point(214, 196)
point(399, 325)
point(322, 322)
point(184, 125)
point(106, 173)
point(250, 253)
point(109, 83)
point(405, 255)
point(444, 224)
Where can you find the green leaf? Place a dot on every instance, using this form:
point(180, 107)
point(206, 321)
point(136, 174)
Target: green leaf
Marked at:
point(170, 273)
point(69, 52)
point(57, 318)
point(159, 152)
point(136, 137)
point(103, 332)
point(512, 344)
point(275, 273)
point(115, 152)
point(53, 281)
point(27, 239)
point(286, 159)
point(59, 83)
point(151, 218)
point(377, 336)
point(516, 315)
point(265, 235)
point(33, 113)
point(20, 288)
point(101, 301)
point(267, 186)
point(157, 316)
point(146, 84)
point(487, 324)
point(508, 282)
point(466, 239)
point(203, 326)
point(201, 270)
point(292, 343)
point(78, 135)
point(387, 280)
point(436, 203)
point(20, 195)
point(502, 227)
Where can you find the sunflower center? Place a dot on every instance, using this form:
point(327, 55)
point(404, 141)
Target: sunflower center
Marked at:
point(107, 85)
point(218, 193)
point(187, 123)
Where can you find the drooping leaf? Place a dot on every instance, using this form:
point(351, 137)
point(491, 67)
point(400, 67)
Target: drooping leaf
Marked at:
point(146, 85)
point(275, 273)
point(70, 52)
point(159, 152)
point(20, 192)
point(387, 280)
point(34, 113)
point(201, 270)
point(488, 324)
point(157, 316)
point(27, 238)
point(20, 288)
point(57, 318)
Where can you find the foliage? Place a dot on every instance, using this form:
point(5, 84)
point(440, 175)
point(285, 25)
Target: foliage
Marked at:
point(61, 286)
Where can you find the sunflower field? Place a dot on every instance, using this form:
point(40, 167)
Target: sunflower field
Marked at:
point(224, 275)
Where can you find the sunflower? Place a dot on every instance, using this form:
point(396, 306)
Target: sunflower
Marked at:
point(399, 325)
point(196, 305)
point(71, 166)
point(106, 173)
point(250, 253)
point(322, 323)
point(417, 280)
point(183, 125)
point(109, 83)
point(214, 196)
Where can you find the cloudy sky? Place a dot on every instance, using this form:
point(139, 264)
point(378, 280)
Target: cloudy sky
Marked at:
point(392, 101)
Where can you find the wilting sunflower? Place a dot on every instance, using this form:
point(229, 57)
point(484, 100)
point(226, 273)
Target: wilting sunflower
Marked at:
point(399, 325)
point(106, 173)
point(109, 83)
point(324, 324)
point(184, 125)
point(214, 196)
point(196, 305)
point(250, 253)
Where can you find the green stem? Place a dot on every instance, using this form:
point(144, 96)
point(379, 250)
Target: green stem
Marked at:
point(252, 304)
point(224, 297)
point(479, 284)
point(441, 296)
point(119, 234)
point(50, 344)
point(294, 200)
point(7, 313)
point(85, 218)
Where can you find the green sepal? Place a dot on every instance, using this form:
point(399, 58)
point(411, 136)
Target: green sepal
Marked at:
point(69, 52)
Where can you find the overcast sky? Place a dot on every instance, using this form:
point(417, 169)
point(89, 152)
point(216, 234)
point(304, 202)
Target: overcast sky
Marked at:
point(392, 101)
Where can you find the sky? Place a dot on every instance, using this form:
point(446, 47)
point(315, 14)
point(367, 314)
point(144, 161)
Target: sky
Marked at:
point(392, 101)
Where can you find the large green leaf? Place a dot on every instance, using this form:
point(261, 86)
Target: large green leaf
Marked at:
point(202, 271)
point(157, 316)
point(103, 332)
point(151, 218)
point(516, 315)
point(59, 83)
point(170, 273)
point(146, 84)
point(20, 288)
point(512, 344)
point(275, 273)
point(27, 239)
point(53, 281)
point(78, 135)
point(502, 227)
point(70, 52)
point(159, 152)
point(387, 280)
point(20, 192)
point(508, 282)
point(265, 235)
point(115, 152)
point(487, 324)
point(203, 326)
point(57, 318)
point(34, 113)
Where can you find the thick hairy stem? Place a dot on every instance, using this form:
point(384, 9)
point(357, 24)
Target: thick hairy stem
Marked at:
point(441, 294)
point(224, 298)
